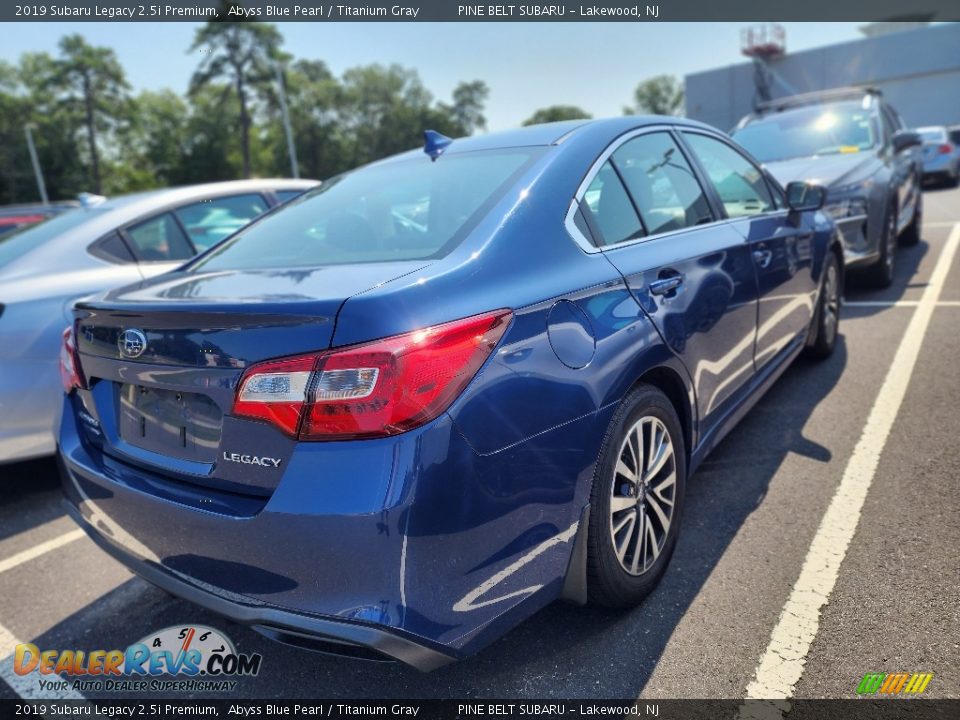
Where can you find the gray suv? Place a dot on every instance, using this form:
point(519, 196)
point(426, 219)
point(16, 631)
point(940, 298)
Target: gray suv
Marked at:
point(854, 143)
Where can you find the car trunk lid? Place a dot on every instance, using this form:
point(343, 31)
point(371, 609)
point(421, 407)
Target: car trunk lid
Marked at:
point(162, 359)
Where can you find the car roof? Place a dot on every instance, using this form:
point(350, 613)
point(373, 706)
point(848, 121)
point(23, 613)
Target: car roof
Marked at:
point(552, 133)
point(174, 195)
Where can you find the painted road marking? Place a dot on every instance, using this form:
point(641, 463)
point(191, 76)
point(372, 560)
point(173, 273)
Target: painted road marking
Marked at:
point(41, 549)
point(26, 686)
point(899, 303)
point(781, 666)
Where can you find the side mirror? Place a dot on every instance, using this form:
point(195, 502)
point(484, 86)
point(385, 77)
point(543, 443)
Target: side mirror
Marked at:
point(804, 196)
point(904, 139)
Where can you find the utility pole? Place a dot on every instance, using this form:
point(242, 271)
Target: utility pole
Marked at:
point(291, 148)
point(36, 165)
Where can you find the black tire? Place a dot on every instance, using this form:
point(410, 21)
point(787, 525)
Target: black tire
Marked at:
point(609, 582)
point(825, 324)
point(911, 235)
point(880, 274)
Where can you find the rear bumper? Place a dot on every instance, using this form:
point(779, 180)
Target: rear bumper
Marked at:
point(310, 631)
point(415, 547)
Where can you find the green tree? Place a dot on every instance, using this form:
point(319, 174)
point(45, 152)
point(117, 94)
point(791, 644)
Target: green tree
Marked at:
point(469, 102)
point(660, 95)
point(553, 113)
point(91, 78)
point(241, 54)
point(314, 97)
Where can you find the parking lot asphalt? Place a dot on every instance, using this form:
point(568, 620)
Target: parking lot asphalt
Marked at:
point(752, 512)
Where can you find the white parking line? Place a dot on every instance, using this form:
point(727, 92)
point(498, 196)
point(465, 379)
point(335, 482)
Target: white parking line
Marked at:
point(898, 303)
point(41, 549)
point(781, 666)
point(26, 686)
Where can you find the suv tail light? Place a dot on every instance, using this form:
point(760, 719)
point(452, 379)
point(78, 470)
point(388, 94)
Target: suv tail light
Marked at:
point(69, 366)
point(376, 389)
point(946, 149)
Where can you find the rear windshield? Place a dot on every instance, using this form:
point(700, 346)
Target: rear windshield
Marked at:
point(22, 241)
point(809, 131)
point(404, 210)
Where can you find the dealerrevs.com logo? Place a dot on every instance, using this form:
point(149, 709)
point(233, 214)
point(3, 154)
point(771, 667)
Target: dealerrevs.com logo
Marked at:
point(201, 658)
point(900, 683)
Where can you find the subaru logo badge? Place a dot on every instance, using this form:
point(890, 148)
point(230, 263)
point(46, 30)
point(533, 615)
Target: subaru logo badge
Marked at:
point(132, 343)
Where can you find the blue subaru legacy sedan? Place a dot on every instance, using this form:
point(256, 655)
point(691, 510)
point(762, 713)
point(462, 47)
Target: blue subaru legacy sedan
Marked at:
point(412, 407)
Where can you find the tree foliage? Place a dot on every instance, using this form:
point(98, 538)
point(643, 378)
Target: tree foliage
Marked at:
point(555, 113)
point(91, 134)
point(660, 95)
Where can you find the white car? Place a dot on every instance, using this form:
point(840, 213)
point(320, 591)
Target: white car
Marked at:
point(105, 243)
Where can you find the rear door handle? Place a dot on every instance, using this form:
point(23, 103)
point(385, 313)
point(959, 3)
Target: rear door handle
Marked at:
point(666, 285)
point(763, 257)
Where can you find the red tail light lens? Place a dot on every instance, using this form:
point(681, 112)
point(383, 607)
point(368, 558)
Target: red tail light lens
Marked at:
point(69, 366)
point(372, 390)
point(946, 149)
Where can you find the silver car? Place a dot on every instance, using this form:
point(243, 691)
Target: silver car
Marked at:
point(45, 268)
point(940, 155)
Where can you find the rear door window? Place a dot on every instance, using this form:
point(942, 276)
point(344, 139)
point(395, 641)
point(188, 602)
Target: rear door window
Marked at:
point(739, 183)
point(159, 239)
point(609, 209)
point(662, 183)
point(210, 221)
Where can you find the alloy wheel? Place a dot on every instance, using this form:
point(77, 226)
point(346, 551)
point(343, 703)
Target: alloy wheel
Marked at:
point(642, 495)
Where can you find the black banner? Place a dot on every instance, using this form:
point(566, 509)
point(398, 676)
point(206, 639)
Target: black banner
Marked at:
point(447, 10)
point(852, 709)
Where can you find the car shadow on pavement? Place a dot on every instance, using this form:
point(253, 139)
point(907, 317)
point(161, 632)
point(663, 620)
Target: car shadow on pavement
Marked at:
point(908, 260)
point(31, 495)
point(563, 651)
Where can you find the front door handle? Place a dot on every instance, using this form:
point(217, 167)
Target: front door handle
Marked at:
point(763, 257)
point(666, 285)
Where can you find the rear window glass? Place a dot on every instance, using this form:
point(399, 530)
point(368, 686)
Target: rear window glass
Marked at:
point(21, 241)
point(402, 210)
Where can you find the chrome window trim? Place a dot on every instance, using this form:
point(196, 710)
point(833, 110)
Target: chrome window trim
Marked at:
point(587, 246)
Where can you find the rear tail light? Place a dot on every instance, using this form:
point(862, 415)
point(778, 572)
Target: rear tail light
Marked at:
point(945, 149)
point(376, 389)
point(69, 366)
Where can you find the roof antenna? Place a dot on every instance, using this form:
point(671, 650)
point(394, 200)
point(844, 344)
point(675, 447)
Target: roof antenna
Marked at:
point(434, 143)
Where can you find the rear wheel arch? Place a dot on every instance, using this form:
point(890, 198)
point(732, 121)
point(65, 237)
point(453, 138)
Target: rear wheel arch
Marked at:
point(670, 383)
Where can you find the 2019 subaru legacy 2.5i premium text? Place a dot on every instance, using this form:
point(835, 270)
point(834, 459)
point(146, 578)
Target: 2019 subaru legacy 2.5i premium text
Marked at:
point(421, 402)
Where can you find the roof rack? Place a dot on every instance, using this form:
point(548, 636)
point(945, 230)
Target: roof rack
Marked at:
point(819, 96)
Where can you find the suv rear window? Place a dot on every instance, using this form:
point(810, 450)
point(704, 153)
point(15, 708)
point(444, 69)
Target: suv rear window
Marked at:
point(399, 210)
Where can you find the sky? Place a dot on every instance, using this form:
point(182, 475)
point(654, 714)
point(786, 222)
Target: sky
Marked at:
point(526, 65)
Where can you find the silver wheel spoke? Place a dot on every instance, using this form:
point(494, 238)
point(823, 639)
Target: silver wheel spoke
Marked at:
point(654, 505)
point(619, 503)
point(640, 543)
point(627, 536)
point(657, 461)
point(625, 471)
point(654, 548)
